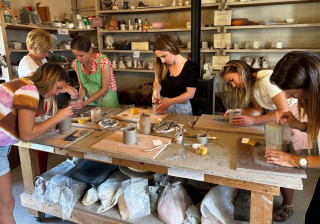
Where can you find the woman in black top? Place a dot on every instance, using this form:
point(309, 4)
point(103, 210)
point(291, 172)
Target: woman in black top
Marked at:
point(175, 78)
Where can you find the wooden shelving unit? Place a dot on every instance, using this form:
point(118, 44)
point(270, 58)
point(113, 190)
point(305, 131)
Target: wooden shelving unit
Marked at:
point(273, 26)
point(264, 3)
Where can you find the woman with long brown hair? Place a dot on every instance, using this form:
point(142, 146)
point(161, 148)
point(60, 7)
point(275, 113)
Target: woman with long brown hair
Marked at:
point(19, 100)
point(245, 84)
point(298, 75)
point(175, 78)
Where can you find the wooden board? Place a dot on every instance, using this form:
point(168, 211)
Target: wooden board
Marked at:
point(207, 122)
point(251, 159)
point(113, 143)
point(127, 116)
point(57, 140)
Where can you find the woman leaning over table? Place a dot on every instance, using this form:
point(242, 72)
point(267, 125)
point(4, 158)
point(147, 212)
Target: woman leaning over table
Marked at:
point(19, 100)
point(298, 75)
point(39, 44)
point(247, 83)
point(95, 74)
point(175, 78)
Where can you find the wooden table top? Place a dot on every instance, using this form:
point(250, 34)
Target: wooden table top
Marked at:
point(219, 162)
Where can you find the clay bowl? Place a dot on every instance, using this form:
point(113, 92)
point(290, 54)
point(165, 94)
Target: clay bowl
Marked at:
point(158, 25)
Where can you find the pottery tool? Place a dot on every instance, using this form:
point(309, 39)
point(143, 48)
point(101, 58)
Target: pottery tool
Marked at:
point(193, 122)
point(101, 133)
point(71, 137)
point(159, 146)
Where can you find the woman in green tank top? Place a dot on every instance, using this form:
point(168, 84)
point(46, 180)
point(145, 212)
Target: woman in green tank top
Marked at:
point(95, 75)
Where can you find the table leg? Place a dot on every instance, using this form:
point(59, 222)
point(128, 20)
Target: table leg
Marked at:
point(261, 208)
point(30, 169)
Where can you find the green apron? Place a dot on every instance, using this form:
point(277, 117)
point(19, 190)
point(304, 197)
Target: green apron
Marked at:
point(92, 83)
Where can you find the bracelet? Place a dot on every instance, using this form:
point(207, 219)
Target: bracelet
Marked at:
point(295, 164)
point(305, 129)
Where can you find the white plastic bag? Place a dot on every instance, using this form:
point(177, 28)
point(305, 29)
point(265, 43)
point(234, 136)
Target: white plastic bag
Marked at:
point(193, 215)
point(173, 203)
point(108, 193)
point(154, 197)
point(90, 197)
point(136, 196)
point(217, 204)
point(64, 191)
point(40, 181)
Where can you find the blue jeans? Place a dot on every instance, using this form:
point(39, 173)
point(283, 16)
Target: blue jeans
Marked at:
point(4, 162)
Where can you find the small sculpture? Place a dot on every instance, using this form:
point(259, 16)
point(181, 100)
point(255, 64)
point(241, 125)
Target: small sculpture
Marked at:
point(174, 3)
point(109, 42)
point(115, 5)
point(107, 4)
point(180, 3)
point(121, 64)
point(113, 24)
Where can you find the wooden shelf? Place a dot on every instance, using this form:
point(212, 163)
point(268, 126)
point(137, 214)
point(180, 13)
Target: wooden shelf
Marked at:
point(133, 70)
point(84, 214)
point(271, 50)
point(25, 50)
point(154, 9)
point(125, 51)
point(149, 31)
point(34, 26)
point(105, 31)
point(285, 25)
point(265, 3)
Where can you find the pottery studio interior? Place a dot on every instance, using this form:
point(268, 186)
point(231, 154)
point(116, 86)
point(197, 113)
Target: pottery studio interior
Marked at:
point(159, 111)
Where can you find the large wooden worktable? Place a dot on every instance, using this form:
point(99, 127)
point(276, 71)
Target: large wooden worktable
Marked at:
point(218, 167)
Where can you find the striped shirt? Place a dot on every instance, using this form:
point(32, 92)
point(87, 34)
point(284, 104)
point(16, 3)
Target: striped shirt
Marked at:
point(15, 95)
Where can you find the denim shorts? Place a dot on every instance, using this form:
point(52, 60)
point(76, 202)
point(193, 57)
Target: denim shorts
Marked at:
point(4, 162)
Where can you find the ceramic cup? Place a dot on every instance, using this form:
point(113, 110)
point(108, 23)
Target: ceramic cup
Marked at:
point(202, 139)
point(145, 124)
point(232, 114)
point(130, 135)
point(65, 126)
point(204, 44)
point(187, 3)
point(178, 139)
point(279, 44)
point(95, 114)
point(256, 44)
point(236, 45)
point(247, 44)
point(189, 45)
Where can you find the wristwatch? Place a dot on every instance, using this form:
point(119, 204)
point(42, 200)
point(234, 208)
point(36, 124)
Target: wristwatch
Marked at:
point(303, 162)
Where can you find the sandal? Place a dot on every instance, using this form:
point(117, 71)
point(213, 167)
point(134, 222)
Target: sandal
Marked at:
point(282, 213)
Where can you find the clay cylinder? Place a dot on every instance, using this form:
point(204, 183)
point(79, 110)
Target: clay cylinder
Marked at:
point(129, 135)
point(154, 106)
point(95, 114)
point(202, 139)
point(145, 124)
point(273, 133)
point(233, 113)
point(65, 126)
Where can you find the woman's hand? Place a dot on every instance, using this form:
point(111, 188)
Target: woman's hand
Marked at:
point(79, 104)
point(226, 114)
point(71, 91)
point(287, 118)
point(156, 97)
point(163, 106)
point(281, 158)
point(64, 114)
point(243, 120)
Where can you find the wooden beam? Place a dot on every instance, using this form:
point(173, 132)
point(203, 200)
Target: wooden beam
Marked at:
point(261, 208)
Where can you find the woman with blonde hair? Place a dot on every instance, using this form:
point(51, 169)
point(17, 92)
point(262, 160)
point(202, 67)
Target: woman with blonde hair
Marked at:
point(298, 75)
point(245, 84)
point(39, 44)
point(19, 100)
point(175, 78)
